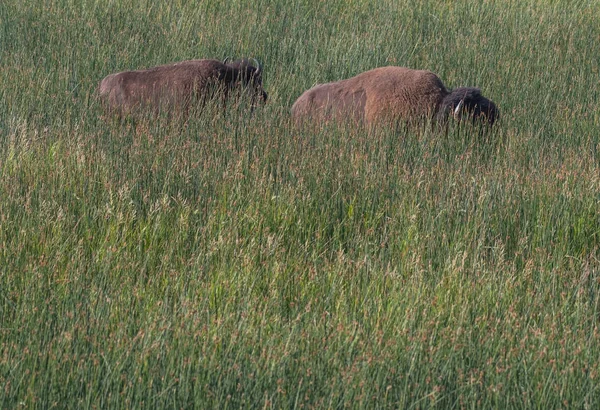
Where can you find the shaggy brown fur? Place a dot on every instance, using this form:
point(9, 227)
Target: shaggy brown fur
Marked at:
point(389, 94)
point(180, 85)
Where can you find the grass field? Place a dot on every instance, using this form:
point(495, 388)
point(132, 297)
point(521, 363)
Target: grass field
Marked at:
point(237, 261)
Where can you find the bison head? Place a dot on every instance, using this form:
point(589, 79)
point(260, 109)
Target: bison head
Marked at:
point(248, 72)
point(468, 100)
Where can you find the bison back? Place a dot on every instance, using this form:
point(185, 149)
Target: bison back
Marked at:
point(331, 101)
point(398, 93)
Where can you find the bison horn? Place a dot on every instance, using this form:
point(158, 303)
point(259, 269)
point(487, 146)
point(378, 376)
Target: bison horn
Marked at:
point(258, 67)
point(226, 59)
point(458, 107)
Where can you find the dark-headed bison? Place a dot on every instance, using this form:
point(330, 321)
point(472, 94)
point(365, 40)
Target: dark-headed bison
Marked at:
point(182, 85)
point(392, 94)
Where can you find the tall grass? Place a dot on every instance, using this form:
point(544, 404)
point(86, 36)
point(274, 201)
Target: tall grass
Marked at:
point(238, 261)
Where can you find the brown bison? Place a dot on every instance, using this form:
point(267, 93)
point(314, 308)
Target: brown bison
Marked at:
point(181, 85)
point(392, 94)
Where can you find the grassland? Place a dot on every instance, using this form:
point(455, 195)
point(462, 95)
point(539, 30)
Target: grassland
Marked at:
point(236, 261)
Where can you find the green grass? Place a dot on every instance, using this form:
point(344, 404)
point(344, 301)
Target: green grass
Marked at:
point(237, 261)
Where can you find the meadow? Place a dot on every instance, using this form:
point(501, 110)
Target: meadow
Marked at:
point(237, 261)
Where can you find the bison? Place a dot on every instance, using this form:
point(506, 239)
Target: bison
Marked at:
point(182, 85)
point(392, 94)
